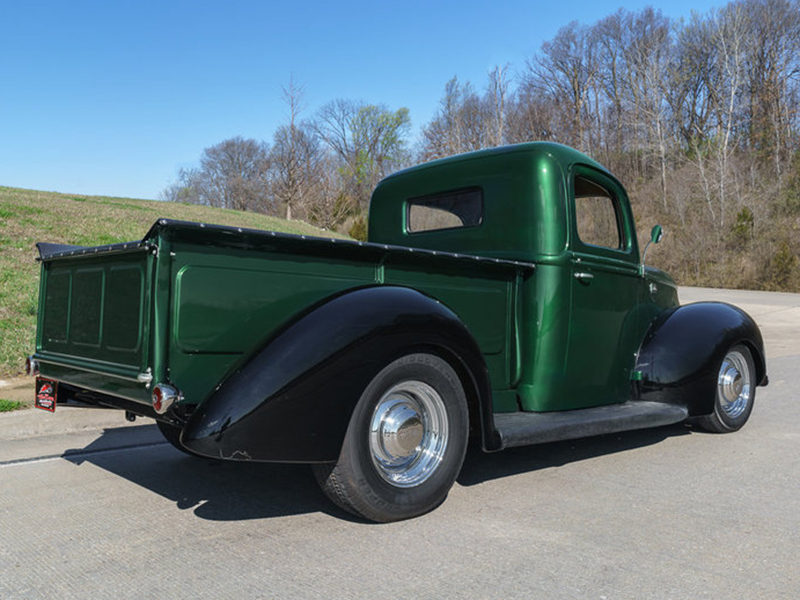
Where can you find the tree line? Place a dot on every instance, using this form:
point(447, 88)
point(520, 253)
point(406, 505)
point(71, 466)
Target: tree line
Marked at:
point(321, 170)
point(697, 117)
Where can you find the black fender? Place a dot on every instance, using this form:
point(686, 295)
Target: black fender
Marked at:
point(292, 399)
point(682, 351)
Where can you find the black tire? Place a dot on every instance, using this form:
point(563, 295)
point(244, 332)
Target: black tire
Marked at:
point(172, 434)
point(735, 392)
point(414, 409)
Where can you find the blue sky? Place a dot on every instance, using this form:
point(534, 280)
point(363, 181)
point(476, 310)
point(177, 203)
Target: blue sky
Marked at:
point(113, 97)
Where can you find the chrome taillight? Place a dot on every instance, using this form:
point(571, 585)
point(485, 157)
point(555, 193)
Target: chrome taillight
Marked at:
point(164, 396)
point(31, 366)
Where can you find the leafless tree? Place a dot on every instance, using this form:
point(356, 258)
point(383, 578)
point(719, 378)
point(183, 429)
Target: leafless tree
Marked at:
point(773, 50)
point(328, 204)
point(565, 71)
point(296, 157)
point(530, 117)
point(467, 121)
point(611, 34)
point(235, 174)
point(497, 96)
point(459, 125)
point(647, 57)
point(232, 174)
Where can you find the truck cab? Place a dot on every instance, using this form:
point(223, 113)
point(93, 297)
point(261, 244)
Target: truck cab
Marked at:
point(578, 321)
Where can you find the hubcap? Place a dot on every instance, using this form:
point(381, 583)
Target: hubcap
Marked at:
point(733, 384)
point(408, 434)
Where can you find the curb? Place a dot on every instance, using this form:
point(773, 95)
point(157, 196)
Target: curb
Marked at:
point(30, 422)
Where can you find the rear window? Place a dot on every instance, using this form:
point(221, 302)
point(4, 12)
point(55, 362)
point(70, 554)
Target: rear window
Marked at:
point(448, 210)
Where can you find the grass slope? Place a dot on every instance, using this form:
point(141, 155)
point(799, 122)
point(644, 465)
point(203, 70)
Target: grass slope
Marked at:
point(27, 217)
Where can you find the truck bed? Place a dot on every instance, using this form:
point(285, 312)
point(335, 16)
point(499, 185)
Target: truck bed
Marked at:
point(189, 300)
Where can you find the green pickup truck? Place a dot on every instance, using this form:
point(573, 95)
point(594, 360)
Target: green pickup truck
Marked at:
point(501, 299)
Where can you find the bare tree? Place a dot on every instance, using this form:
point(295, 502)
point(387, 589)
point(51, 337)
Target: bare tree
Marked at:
point(235, 174)
point(565, 72)
point(689, 80)
point(773, 50)
point(328, 204)
point(467, 121)
point(530, 117)
point(232, 174)
point(295, 157)
point(611, 34)
point(647, 58)
point(447, 133)
point(729, 38)
point(497, 96)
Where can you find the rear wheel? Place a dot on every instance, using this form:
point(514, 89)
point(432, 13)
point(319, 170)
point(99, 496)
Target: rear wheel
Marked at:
point(735, 394)
point(405, 443)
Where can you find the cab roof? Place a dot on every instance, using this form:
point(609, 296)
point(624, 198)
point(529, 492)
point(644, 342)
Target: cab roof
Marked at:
point(560, 152)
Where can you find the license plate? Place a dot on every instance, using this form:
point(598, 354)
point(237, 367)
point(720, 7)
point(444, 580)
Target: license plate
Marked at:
point(46, 394)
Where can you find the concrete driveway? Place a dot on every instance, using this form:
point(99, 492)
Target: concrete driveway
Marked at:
point(91, 507)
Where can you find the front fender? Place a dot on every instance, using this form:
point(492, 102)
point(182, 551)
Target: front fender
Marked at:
point(681, 354)
point(291, 401)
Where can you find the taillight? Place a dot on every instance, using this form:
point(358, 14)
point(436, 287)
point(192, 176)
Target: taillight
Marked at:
point(164, 396)
point(31, 366)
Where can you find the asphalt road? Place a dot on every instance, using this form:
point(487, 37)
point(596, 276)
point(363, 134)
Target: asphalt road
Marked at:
point(107, 510)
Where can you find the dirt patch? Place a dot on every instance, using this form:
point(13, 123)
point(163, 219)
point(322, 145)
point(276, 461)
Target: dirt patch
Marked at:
point(18, 389)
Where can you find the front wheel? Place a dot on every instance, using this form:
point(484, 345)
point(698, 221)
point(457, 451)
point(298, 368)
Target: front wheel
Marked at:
point(405, 443)
point(735, 392)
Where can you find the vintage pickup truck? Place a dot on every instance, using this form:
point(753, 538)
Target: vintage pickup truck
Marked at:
point(501, 299)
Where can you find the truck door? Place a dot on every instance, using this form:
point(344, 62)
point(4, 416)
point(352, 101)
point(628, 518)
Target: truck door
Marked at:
point(605, 281)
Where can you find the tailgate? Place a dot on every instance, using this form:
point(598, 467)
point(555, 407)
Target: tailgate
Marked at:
point(94, 318)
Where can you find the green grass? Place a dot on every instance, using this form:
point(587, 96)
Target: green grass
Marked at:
point(9, 405)
point(28, 216)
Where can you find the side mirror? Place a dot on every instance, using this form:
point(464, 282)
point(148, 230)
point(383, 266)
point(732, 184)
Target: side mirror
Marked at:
point(655, 236)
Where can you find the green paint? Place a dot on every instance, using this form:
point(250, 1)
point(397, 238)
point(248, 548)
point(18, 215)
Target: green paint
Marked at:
point(559, 321)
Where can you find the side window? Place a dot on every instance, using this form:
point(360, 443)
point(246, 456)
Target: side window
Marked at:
point(459, 208)
point(597, 215)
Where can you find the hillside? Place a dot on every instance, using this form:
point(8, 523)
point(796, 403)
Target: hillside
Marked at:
point(28, 216)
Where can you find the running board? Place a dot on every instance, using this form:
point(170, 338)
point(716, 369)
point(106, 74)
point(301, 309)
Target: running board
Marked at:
point(526, 428)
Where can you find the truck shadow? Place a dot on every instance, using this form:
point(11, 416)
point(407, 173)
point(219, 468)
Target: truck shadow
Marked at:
point(212, 489)
point(234, 491)
point(480, 467)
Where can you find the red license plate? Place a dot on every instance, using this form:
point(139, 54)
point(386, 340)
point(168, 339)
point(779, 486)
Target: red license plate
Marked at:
point(46, 394)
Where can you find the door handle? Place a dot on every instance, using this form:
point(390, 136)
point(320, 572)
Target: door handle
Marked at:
point(584, 276)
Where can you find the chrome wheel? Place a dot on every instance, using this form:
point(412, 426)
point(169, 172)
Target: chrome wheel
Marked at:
point(735, 393)
point(408, 433)
point(405, 442)
point(733, 384)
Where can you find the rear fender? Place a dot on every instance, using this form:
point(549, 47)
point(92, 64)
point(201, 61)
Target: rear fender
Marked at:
point(291, 401)
point(681, 354)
